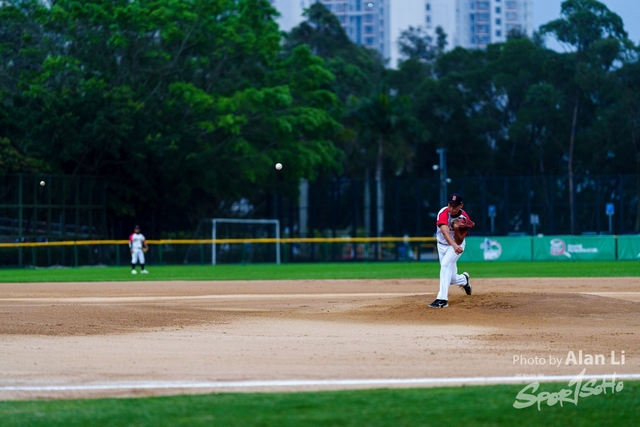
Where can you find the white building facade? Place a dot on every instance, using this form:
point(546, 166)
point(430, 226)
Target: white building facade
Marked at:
point(477, 23)
point(366, 22)
point(377, 24)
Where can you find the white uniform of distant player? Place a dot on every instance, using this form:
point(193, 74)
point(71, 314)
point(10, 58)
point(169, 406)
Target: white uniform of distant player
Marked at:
point(447, 255)
point(136, 244)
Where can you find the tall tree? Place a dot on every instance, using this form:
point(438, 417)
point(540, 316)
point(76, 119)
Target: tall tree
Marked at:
point(530, 111)
point(618, 127)
point(592, 30)
point(629, 77)
point(357, 72)
point(382, 123)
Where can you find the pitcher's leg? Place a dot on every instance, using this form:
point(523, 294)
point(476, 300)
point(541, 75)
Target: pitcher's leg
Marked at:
point(458, 279)
point(448, 268)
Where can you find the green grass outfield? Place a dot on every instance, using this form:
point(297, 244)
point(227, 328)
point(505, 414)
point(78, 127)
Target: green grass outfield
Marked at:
point(320, 271)
point(446, 406)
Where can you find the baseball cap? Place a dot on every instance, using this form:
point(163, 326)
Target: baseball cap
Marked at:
point(455, 199)
point(136, 226)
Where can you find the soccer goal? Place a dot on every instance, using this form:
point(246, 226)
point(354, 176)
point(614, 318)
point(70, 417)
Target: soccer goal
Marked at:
point(253, 252)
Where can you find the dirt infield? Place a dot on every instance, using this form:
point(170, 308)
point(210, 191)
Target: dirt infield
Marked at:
point(126, 333)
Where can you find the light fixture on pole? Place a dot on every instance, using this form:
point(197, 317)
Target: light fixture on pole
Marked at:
point(442, 152)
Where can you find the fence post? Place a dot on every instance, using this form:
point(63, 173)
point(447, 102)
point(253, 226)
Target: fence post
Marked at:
point(160, 253)
point(20, 212)
point(75, 254)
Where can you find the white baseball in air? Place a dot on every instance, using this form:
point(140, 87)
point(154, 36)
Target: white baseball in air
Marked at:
point(42, 183)
point(278, 166)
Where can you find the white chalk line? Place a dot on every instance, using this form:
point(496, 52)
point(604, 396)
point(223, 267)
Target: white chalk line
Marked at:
point(625, 296)
point(311, 383)
point(610, 293)
point(133, 299)
point(196, 297)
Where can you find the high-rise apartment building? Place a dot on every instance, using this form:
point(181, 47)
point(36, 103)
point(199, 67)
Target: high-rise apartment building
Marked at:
point(366, 22)
point(476, 23)
point(378, 23)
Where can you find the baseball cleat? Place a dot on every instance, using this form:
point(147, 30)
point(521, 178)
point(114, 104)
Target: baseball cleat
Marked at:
point(439, 303)
point(144, 272)
point(467, 287)
point(134, 272)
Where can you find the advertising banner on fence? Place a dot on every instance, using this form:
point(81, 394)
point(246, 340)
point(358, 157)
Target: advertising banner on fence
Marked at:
point(498, 248)
point(574, 248)
point(629, 247)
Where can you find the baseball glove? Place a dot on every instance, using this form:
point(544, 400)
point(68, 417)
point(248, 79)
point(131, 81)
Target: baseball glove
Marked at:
point(465, 223)
point(145, 249)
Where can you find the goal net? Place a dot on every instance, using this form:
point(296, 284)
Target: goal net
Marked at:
point(247, 252)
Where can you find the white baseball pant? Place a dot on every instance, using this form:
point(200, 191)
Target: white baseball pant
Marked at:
point(449, 269)
point(137, 255)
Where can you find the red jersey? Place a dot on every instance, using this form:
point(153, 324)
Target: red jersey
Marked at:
point(444, 218)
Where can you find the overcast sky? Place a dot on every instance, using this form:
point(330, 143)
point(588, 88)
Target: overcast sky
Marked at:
point(629, 10)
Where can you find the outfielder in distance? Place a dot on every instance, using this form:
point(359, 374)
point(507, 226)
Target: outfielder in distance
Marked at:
point(452, 225)
point(138, 247)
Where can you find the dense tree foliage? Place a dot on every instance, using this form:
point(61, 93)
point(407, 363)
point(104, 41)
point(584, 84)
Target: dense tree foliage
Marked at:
point(179, 105)
point(184, 107)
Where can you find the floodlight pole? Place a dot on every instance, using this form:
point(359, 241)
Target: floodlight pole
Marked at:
point(213, 236)
point(442, 152)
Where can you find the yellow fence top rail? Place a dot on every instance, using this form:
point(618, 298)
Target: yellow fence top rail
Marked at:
point(225, 241)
